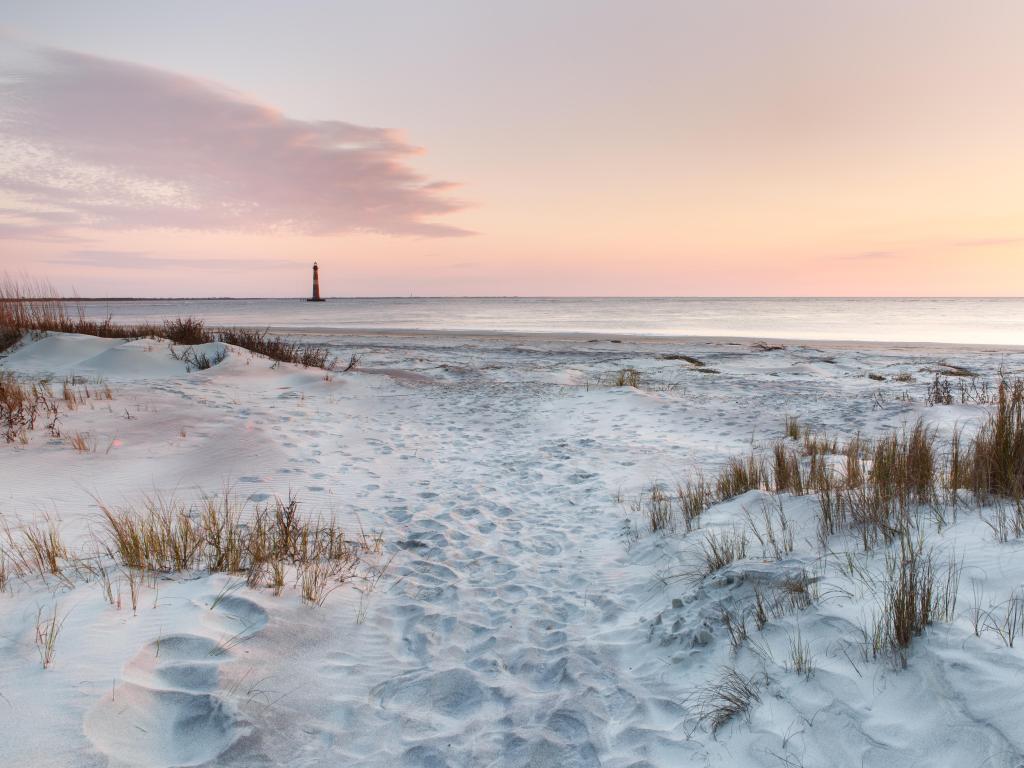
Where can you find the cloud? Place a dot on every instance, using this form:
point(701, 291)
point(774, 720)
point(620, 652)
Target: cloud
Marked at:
point(142, 260)
point(87, 142)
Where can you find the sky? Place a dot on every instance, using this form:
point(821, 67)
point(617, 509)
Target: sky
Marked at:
point(727, 148)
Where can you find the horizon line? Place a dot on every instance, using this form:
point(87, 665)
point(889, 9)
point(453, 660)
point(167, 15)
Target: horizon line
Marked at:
point(522, 296)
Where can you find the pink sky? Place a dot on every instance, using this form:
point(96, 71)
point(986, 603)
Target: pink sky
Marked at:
point(798, 148)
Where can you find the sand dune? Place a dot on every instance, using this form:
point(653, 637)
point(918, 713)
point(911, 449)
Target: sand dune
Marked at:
point(524, 619)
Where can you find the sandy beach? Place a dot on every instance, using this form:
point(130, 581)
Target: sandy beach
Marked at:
point(519, 610)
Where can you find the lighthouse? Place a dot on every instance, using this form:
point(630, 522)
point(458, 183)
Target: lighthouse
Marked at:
point(316, 283)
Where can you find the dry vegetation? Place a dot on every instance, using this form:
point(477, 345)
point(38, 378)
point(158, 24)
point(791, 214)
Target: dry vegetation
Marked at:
point(267, 545)
point(728, 696)
point(872, 487)
point(281, 350)
point(28, 306)
point(883, 495)
point(222, 536)
point(24, 406)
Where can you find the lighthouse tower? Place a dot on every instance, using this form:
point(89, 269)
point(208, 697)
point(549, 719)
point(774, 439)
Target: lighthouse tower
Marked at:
point(316, 283)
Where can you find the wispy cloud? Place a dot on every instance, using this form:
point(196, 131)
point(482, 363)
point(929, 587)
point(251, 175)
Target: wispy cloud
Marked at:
point(87, 142)
point(142, 260)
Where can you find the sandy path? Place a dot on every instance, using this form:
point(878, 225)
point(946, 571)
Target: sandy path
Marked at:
point(494, 630)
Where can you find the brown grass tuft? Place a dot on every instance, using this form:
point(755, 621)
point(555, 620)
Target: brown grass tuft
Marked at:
point(221, 535)
point(740, 476)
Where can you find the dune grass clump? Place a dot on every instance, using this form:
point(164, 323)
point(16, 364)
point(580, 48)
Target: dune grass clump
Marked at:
point(879, 497)
point(35, 305)
point(728, 696)
point(720, 549)
point(694, 499)
point(904, 466)
point(853, 454)
point(23, 405)
point(772, 530)
point(162, 537)
point(822, 444)
point(27, 305)
point(787, 472)
point(42, 550)
point(1006, 620)
point(186, 330)
point(278, 349)
point(222, 536)
point(657, 508)
point(740, 476)
point(993, 464)
point(792, 427)
point(198, 361)
point(626, 377)
point(34, 550)
point(913, 596)
point(801, 662)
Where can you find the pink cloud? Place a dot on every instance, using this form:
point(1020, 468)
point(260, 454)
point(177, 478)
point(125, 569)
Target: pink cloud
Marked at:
point(87, 142)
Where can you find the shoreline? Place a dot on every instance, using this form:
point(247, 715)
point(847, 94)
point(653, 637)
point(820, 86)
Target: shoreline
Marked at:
point(640, 338)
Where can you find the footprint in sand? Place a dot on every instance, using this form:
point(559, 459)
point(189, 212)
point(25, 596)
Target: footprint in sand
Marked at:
point(166, 711)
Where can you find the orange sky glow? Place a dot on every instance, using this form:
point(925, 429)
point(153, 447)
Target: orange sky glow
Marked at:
point(735, 148)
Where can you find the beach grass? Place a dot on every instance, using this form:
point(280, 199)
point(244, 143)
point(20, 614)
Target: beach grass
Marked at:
point(35, 306)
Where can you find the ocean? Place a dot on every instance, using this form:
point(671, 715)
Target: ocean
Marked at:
point(988, 321)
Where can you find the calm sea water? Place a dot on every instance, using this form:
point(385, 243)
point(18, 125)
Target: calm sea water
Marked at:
point(973, 321)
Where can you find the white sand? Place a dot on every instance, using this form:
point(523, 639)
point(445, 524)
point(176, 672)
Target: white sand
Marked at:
point(517, 625)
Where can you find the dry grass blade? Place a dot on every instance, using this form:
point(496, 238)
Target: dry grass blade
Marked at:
point(47, 630)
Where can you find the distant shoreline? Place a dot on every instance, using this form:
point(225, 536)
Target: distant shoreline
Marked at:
point(94, 299)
